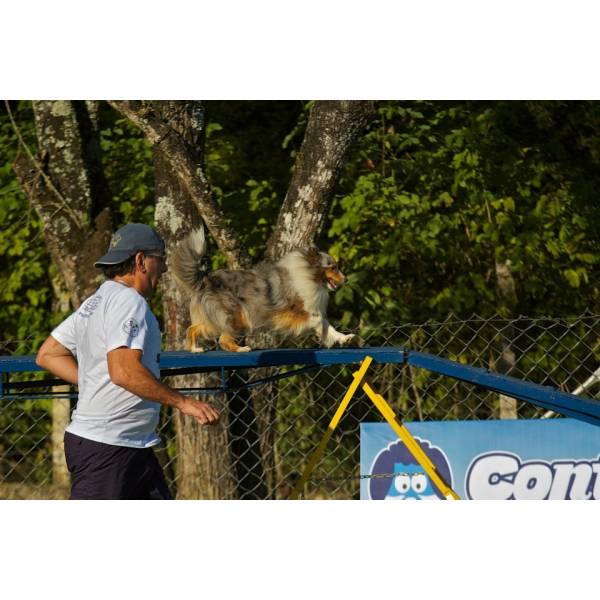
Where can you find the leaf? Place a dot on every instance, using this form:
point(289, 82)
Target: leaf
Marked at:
point(572, 277)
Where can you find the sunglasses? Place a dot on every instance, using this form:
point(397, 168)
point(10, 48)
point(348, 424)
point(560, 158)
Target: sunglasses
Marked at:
point(162, 257)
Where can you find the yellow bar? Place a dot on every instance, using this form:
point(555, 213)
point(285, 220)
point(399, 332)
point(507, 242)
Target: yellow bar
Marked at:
point(413, 446)
point(358, 377)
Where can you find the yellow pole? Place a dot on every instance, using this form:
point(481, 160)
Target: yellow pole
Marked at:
point(358, 377)
point(413, 446)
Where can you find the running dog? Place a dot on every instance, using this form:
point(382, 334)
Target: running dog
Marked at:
point(289, 296)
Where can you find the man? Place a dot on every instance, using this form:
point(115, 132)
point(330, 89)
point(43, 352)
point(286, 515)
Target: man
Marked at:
point(110, 347)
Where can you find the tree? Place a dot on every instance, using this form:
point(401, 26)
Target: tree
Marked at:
point(176, 130)
point(64, 183)
point(66, 186)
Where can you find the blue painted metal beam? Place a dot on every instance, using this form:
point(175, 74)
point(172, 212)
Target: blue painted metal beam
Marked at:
point(18, 364)
point(542, 396)
point(245, 360)
point(281, 357)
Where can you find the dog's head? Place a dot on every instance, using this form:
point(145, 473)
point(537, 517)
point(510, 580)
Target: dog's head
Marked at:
point(326, 270)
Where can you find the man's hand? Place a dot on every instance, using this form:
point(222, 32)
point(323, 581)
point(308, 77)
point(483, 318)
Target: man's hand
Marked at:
point(127, 371)
point(205, 413)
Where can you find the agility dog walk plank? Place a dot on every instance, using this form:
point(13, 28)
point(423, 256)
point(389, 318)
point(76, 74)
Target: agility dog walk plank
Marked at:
point(170, 362)
point(245, 360)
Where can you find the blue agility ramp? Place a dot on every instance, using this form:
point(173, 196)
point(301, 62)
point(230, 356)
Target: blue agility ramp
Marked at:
point(178, 363)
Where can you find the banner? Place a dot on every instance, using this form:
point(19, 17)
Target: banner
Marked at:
point(550, 459)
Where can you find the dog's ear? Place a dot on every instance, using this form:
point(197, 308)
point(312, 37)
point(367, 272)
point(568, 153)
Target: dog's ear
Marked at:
point(312, 254)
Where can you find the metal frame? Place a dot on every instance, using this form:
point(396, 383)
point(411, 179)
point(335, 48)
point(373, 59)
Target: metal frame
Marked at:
point(396, 424)
point(177, 363)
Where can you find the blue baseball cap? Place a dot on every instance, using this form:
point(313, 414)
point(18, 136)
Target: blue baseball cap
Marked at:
point(127, 241)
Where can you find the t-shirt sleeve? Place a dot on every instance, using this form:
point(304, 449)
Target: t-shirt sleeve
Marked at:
point(65, 334)
point(126, 322)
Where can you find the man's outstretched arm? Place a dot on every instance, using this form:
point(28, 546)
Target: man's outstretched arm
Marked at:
point(127, 371)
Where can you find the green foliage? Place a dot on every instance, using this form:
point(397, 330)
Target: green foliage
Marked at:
point(249, 156)
point(438, 192)
point(433, 195)
point(128, 168)
point(25, 289)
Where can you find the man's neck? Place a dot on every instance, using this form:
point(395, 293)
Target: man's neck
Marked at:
point(130, 280)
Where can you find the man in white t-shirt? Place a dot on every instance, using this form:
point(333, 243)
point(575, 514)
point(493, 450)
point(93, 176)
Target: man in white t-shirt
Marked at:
point(110, 348)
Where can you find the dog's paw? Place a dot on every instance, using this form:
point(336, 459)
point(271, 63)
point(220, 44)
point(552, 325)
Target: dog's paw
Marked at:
point(337, 338)
point(244, 349)
point(196, 349)
point(344, 338)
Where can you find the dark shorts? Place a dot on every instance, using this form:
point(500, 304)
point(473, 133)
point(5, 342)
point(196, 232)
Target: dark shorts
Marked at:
point(105, 472)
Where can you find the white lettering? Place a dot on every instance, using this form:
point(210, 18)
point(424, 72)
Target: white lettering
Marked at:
point(490, 477)
point(532, 482)
point(502, 476)
point(578, 475)
point(596, 490)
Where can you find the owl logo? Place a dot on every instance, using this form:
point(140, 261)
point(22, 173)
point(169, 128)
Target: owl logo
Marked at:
point(410, 482)
point(402, 477)
point(116, 238)
point(131, 327)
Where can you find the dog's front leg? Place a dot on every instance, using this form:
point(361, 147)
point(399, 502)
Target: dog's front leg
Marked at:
point(329, 336)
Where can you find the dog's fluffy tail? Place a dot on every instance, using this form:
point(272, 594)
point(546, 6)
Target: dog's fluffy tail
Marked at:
point(188, 262)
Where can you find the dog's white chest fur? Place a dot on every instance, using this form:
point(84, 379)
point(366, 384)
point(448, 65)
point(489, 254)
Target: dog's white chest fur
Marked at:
point(313, 295)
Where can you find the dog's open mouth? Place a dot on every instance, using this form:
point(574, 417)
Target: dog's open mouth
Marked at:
point(331, 284)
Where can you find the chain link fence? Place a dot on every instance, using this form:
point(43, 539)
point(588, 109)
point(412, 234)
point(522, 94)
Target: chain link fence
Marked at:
point(273, 429)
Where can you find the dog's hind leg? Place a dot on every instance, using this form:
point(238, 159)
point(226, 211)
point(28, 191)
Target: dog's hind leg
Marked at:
point(238, 324)
point(228, 343)
point(191, 336)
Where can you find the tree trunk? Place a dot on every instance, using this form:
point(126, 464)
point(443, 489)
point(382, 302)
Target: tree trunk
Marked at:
point(61, 407)
point(204, 465)
point(333, 127)
point(64, 183)
point(155, 123)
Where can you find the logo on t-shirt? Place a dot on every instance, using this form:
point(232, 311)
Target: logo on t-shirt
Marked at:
point(131, 327)
point(90, 306)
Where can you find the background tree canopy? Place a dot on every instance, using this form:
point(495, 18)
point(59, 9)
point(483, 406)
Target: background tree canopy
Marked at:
point(434, 198)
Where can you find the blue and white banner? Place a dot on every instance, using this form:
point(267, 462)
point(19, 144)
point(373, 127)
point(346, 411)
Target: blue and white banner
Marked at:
point(554, 459)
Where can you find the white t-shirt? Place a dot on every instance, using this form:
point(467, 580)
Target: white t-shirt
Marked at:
point(115, 316)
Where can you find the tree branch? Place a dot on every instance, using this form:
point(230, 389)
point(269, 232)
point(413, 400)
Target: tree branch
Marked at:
point(64, 184)
point(333, 127)
point(24, 175)
point(146, 115)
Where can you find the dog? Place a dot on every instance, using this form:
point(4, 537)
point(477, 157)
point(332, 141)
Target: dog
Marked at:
point(289, 296)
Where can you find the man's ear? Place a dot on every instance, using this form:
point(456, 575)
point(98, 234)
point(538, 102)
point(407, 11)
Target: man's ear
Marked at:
point(139, 262)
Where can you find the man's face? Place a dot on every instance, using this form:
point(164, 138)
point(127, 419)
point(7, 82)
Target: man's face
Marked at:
point(155, 264)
